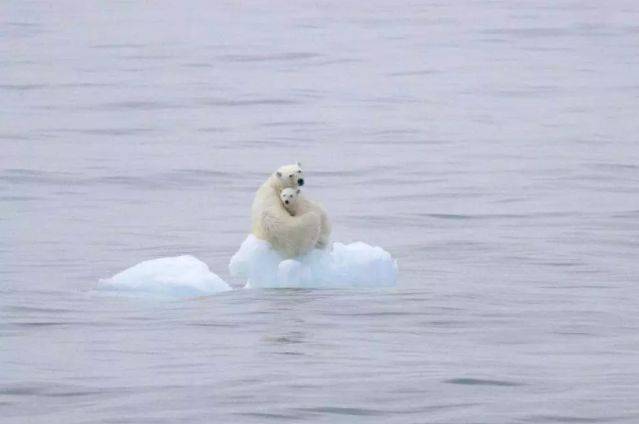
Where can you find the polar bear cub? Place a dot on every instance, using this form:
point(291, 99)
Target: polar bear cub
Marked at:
point(295, 204)
point(289, 197)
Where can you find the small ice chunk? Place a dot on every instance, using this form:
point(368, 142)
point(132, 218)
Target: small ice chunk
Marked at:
point(355, 265)
point(291, 272)
point(179, 276)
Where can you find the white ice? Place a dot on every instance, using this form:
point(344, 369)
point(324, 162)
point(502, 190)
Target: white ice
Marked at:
point(355, 265)
point(179, 276)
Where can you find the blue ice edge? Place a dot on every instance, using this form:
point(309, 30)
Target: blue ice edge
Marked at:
point(355, 265)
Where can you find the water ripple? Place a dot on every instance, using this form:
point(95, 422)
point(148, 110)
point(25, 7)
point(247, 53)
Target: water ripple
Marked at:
point(481, 382)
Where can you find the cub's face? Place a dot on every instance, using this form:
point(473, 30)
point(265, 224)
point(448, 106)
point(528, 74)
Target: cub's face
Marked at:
point(289, 197)
point(290, 175)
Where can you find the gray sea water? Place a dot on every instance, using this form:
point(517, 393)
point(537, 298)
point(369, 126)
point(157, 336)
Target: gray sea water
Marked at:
point(490, 146)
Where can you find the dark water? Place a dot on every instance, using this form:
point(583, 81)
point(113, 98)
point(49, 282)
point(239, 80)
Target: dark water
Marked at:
point(491, 147)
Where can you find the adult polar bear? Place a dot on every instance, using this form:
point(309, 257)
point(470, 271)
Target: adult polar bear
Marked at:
point(290, 235)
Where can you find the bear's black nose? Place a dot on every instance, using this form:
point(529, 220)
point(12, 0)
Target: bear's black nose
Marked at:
point(300, 182)
point(286, 201)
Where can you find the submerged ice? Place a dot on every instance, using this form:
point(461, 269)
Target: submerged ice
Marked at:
point(355, 265)
point(179, 276)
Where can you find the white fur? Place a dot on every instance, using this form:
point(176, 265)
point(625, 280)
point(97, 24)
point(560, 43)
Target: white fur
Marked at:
point(289, 197)
point(290, 235)
point(306, 206)
point(298, 205)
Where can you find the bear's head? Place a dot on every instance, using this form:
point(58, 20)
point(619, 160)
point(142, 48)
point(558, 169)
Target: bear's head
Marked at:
point(290, 176)
point(289, 196)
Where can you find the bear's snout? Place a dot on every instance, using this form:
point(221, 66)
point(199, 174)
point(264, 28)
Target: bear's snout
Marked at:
point(286, 201)
point(300, 182)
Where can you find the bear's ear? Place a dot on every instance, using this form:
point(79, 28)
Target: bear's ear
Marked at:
point(299, 164)
point(279, 174)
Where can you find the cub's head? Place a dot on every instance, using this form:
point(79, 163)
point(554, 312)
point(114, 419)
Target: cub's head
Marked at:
point(289, 196)
point(290, 175)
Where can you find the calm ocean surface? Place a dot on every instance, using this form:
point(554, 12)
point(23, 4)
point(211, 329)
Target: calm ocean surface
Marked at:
point(490, 146)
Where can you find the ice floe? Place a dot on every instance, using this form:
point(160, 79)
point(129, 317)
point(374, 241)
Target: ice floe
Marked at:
point(354, 265)
point(179, 276)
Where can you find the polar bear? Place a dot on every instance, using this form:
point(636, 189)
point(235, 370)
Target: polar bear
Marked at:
point(290, 235)
point(296, 205)
point(289, 197)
